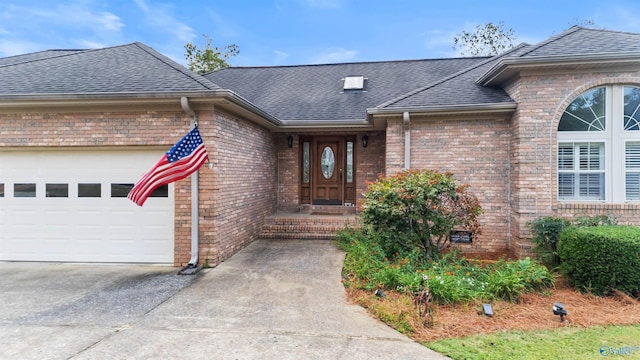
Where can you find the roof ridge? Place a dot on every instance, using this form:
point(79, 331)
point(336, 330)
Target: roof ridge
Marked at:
point(74, 51)
point(177, 67)
point(450, 77)
point(346, 63)
point(548, 41)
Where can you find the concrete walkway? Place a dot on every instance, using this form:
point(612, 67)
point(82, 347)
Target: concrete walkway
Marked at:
point(273, 300)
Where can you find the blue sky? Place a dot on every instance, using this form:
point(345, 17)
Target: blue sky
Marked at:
point(289, 32)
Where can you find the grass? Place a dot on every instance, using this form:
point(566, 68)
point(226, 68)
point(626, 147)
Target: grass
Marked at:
point(563, 343)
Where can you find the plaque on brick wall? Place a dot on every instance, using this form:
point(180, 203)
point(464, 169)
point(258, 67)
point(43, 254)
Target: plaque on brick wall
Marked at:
point(460, 236)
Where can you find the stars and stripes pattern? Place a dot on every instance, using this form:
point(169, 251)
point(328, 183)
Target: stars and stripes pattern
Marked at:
point(184, 158)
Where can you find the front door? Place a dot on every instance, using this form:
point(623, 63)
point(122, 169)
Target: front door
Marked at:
point(328, 172)
point(328, 169)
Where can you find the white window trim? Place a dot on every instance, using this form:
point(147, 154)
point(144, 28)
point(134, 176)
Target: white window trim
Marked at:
point(615, 139)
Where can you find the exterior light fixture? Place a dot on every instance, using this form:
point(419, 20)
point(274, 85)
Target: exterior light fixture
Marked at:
point(558, 309)
point(365, 140)
point(290, 141)
point(488, 309)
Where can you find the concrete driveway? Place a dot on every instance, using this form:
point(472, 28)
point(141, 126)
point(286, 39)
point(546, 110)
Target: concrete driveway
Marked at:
point(273, 300)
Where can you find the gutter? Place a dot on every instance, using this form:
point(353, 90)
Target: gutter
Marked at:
point(195, 216)
point(406, 122)
point(505, 107)
point(519, 63)
point(220, 96)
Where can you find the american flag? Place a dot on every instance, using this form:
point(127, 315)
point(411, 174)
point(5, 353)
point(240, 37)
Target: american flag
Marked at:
point(184, 158)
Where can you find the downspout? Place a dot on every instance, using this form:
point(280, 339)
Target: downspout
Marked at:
point(184, 102)
point(407, 139)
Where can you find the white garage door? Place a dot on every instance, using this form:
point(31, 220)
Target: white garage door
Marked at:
point(71, 206)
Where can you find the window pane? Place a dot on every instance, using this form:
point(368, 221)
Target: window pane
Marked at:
point(591, 156)
point(305, 162)
point(24, 190)
point(349, 161)
point(57, 190)
point(585, 113)
point(565, 156)
point(1, 190)
point(160, 191)
point(120, 190)
point(592, 186)
point(89, 190)
point(328, 162)
point(632, 168)
point(632, 185)
point(632, 155)
point(631, 108)
point(566, 185)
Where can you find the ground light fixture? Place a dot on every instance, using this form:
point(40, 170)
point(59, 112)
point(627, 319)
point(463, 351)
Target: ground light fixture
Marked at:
point(558, 309)
point(488, 309)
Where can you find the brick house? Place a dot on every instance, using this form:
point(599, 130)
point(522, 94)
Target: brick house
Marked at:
point(542, 129)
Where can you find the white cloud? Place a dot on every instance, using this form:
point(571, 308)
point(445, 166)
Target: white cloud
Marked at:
point(280, 56)
point(160, 18)
point(109, 21)
point(11, 47)
point(142, 5)
point(50, 25)
point(439, 43)
point(335, 55)
point(619, 18)
point(88, 44)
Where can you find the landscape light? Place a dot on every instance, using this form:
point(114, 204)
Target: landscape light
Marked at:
point(558, 309)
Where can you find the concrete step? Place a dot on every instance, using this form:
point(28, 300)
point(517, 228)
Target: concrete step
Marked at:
point(305, 226)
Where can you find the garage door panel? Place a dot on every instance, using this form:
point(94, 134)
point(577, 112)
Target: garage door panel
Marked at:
point(82, 229)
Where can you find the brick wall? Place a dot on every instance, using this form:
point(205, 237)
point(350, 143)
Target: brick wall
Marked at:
point(370, 162)
point(92, 129)
point(541, 102)
point(394, 152)
point(240, 191)
point(288, 172)
point(476, 151)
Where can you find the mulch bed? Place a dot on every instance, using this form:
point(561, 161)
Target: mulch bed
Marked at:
point(531, 312)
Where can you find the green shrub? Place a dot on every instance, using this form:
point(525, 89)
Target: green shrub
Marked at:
point(418, 210)
point(546, 230)
point(451, 278)
point(598, 259)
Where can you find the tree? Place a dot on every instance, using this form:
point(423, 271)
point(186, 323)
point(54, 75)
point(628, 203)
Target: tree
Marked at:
point(209, 59)
point(487, 39)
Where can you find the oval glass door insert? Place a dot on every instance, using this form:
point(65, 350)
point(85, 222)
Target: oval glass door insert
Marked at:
point(328, 162)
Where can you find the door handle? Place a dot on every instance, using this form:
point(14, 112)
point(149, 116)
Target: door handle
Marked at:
point(340, 176)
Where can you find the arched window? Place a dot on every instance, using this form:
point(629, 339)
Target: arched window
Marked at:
point(599, 146)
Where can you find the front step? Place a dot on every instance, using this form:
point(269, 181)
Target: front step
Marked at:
point(305, 226)
point(327, 210)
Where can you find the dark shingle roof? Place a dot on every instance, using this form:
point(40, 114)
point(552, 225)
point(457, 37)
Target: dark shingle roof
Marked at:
point(132, 68)
point(17, 59)
point(458, 89)
point(578, 41)
point(314, 92)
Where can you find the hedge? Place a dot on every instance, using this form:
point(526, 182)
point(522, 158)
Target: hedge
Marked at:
point(599, 259)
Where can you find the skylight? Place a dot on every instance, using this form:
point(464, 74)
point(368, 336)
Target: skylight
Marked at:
point(354, 82)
